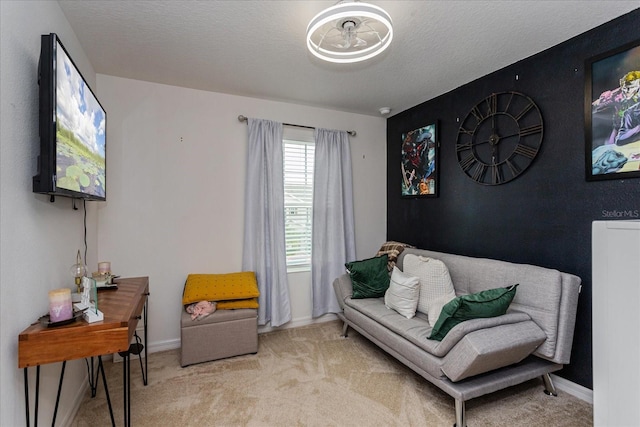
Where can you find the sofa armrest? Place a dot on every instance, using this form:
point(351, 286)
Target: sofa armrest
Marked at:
point(487, 349)
point(343, 288)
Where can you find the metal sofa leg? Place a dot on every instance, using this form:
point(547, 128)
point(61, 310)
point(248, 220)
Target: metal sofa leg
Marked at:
point(549, 388)
point(345, 327)
point(461, 420)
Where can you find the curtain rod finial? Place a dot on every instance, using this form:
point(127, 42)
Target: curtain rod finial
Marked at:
point(242, 118)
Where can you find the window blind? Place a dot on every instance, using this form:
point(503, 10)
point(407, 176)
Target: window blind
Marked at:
point(298, 202)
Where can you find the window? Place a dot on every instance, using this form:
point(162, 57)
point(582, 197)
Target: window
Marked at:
point(299, 153)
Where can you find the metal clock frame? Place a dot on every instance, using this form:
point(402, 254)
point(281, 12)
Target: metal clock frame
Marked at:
point(499, 111)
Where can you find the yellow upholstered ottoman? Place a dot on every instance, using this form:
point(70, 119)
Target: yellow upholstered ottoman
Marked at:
point(231, 330)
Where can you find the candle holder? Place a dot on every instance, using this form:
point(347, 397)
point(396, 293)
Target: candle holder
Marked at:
point(60, 305)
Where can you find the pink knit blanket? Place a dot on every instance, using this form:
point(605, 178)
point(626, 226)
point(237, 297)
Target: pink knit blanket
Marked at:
point(200, 310)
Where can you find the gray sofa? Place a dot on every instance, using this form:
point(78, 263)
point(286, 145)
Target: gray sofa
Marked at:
point(477, 356)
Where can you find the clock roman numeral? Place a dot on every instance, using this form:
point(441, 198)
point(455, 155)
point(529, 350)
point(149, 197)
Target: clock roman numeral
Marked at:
point(462, 147)
point(479, 171)
point(496, 178)
point(513, 168)
point(506, 108)
point(531, 130)
point(467, 162)
point(492, 104)
point(526, 151)
point(466, 131)
point(524, 111)
point(477, 113)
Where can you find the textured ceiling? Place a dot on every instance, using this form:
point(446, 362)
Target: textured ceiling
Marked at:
point(257, 48)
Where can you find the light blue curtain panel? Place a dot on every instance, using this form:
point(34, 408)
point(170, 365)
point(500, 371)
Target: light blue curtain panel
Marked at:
point(264, 238)
point(333, 232)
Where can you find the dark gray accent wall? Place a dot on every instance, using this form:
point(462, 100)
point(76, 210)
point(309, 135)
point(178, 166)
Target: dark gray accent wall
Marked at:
point(542, 217)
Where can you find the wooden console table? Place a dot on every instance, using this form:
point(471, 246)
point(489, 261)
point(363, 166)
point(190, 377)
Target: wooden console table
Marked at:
point(122, 308)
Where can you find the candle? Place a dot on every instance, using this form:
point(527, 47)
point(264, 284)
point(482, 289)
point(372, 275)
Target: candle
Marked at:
point(104, 267)
point(60, 305)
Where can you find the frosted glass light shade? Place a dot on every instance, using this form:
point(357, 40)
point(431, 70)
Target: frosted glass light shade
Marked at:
point(350, 31)
point(78, 271)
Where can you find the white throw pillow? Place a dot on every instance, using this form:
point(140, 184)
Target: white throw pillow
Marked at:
point(402, 294)
point(436, 287)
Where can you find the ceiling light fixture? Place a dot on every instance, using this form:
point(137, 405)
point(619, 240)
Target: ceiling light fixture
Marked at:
point(350, 31)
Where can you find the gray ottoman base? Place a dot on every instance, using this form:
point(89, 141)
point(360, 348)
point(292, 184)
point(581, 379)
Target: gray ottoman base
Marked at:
point(225, 333)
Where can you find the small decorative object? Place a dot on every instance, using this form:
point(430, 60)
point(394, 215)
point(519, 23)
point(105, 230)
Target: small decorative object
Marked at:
point(46, 321)
point(419, 163)
point(499, 138)
point(78, 270)
point(89, 301)
point(612, 114)
point(101, 279)
point(103, 276)
point(60, 305)
point(104, 267)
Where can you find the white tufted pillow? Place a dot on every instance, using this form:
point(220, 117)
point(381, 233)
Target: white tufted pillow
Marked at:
point(402, 294)
point(436, 287)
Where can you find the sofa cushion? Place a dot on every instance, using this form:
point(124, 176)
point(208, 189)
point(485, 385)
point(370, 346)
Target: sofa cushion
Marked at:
point(402, 349)
point(238, 303)
point(370, 277)
point(402, 295)
point(489, 303)
point(436, 287)
point(416, 329)
point(220, 287)
point(458, 332)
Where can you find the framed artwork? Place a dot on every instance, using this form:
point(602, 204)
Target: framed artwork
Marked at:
point(419, 163)
point(612, 114)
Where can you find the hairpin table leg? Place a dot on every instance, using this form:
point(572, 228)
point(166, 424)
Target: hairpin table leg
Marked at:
point(55, 411)
point(106, 389)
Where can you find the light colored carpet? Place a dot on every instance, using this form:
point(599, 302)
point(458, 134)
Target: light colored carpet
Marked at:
point(311, 376)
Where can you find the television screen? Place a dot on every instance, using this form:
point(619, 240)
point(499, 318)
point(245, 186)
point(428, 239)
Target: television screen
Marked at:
point(72, 158)
point(80, 131)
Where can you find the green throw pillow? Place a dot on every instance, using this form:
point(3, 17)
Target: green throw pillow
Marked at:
point(489, 303)
point(370, 277)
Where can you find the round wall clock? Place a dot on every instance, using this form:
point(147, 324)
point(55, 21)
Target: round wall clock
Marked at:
point(499, 138)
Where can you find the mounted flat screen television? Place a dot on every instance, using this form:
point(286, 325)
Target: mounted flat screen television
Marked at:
point(72, 160)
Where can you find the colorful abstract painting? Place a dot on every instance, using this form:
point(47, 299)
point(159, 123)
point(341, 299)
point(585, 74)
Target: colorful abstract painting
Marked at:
point(612, 114)
point(420, 162)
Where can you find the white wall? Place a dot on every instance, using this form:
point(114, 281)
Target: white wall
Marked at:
point(176, 177)
point(38, 239)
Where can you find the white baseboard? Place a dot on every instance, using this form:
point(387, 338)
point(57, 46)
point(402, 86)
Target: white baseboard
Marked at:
point(296, 323)
point(155, 347)
point(573, 389)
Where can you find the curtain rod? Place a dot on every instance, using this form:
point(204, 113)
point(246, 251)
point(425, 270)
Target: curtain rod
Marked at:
point(242, 118)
